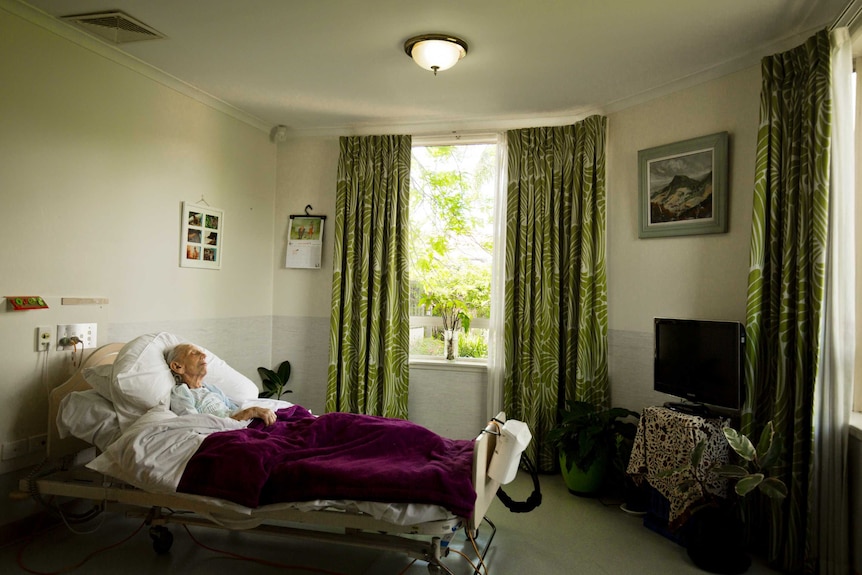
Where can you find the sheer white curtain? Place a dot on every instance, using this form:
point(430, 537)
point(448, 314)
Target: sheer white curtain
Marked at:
point(834, 387)
point(498, 276)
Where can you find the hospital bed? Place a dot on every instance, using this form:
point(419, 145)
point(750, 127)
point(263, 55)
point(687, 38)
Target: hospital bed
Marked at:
point(420, 530)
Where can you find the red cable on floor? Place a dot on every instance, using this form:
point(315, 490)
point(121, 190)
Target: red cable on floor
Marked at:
point(20, 555)
point(258, 560)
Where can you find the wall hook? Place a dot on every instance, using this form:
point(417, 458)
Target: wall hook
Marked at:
point(307, 207)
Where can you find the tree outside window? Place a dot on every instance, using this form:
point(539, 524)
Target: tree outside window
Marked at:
point(451, 242)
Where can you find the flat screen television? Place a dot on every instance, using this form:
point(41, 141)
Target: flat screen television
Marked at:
point(701, 361)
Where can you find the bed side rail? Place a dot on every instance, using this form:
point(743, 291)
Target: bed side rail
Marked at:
point(485, 486)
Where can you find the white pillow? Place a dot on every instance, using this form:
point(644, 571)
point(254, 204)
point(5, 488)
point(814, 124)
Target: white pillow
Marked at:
point(99, 378)
point(142, 380)
point(234, 384)
point(88, 416)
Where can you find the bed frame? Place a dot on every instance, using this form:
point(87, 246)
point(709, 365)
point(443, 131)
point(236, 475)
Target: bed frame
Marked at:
point(426, 541)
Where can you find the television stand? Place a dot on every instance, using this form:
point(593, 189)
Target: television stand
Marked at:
point(689, 408)
point(664, 441)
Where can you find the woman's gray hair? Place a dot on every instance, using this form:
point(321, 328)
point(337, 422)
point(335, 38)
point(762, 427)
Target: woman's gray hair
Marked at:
point(171, 356)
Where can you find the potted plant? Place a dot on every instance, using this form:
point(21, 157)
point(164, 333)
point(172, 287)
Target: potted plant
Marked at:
point(715, 539)
point(753, 472)
point(588, 438)
point(274, 381)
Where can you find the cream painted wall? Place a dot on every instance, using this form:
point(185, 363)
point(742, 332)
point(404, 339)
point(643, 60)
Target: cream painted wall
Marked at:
point(306, 176)
point(95, 160)
point(703, 277)
point(302, 298)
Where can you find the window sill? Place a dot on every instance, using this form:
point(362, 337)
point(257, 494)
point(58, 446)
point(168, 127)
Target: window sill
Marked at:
point(431, 363)
point(856, 425)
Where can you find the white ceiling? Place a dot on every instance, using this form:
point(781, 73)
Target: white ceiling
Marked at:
point(340, 66)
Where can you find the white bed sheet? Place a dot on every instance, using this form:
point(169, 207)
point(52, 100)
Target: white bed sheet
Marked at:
point(153, 452)
point(152, 455)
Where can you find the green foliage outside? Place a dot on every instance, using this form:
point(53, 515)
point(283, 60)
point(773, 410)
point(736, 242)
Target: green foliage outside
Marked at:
point(451, 241)
point(470, 344)
point(428, 346)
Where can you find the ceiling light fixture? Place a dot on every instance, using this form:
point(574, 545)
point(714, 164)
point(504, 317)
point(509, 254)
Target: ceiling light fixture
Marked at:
point(436, 51)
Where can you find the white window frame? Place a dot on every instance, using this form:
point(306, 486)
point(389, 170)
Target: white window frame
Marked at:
point(456, 139)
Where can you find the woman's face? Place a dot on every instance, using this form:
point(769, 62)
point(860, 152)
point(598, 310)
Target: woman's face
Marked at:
point(190, 365)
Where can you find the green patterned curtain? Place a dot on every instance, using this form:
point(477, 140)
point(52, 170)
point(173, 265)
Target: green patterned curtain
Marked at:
point(787, 274)
point(555, 311)
point(370, 326)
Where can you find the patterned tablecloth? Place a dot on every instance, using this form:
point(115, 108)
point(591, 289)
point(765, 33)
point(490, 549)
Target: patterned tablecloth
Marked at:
point(665, 440)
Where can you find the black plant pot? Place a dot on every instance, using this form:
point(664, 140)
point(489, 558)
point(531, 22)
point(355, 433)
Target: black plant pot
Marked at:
point(715, 541)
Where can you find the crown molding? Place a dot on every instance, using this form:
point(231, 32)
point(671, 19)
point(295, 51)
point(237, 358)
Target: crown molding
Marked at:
point(73, 34)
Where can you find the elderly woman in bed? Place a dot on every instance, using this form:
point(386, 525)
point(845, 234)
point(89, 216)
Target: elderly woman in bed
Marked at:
point(191, 395)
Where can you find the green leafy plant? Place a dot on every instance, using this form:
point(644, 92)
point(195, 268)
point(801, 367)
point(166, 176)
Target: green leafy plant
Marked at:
point(752, 472)
point(588, 432)
point(449, 307)
point(427, 346)
point(471, 345)
point(274, 381)
point(716, 539)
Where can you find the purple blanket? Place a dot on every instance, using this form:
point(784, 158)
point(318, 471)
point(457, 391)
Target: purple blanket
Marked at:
point(333, 456)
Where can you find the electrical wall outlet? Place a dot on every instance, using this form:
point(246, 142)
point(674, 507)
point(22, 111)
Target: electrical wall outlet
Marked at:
point(37, 444)
point(85, 332)
point(44, 337)
point(14, 449)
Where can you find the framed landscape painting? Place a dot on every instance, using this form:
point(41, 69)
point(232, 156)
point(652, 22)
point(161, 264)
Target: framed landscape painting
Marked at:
point(682, 188)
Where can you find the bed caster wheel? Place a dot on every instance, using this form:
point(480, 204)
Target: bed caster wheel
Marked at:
point(434, 569)
point(162, 539)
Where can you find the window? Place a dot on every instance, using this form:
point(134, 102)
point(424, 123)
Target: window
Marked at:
point(452, 205)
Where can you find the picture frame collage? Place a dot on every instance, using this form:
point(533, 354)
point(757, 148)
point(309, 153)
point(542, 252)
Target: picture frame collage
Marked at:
point(201, 236)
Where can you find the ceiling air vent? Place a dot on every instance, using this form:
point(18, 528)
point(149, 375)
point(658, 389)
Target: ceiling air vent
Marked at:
point(115, 27)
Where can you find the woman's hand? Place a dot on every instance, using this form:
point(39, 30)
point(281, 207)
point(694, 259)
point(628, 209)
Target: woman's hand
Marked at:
point(262, 413)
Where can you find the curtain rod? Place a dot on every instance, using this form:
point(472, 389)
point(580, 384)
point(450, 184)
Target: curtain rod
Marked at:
point(848, 16)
